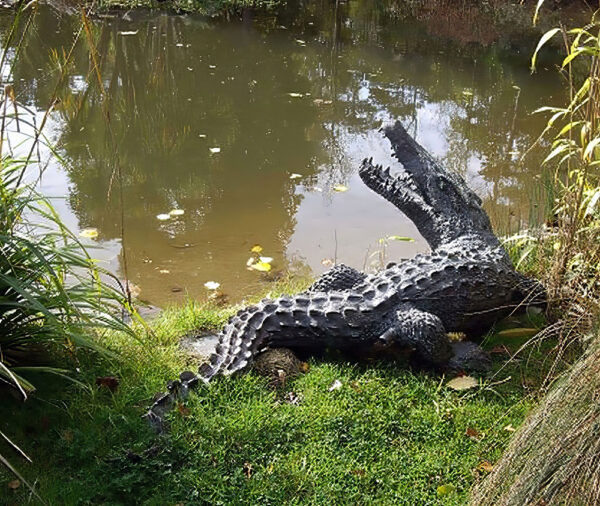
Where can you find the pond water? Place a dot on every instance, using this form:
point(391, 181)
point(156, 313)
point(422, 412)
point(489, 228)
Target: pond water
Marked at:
point(248, 126)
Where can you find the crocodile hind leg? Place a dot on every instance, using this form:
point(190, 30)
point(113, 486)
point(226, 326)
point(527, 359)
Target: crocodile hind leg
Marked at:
point(340, 277)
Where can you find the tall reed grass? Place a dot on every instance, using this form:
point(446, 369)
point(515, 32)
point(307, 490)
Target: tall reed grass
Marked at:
point(54, 298)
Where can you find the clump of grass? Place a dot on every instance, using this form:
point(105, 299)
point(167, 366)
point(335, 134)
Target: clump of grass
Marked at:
point(554, 458)
point(388, 434)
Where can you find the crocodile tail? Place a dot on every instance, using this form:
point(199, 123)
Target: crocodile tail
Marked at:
point(243, 337)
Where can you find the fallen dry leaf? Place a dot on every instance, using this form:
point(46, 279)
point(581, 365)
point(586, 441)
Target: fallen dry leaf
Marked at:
point(110, 382)
point(474, 434)
point(462, 383)
point(183, 409)
point(509, 428)
point(14, 484)
point(485, 466)
point(335, 385)
point(520, 332)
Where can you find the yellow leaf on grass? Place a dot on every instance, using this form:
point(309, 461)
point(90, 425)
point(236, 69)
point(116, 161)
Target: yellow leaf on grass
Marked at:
point(89, 233)
point(485, 466)
point(520, 332)
point(444, 490)
point(462, 383)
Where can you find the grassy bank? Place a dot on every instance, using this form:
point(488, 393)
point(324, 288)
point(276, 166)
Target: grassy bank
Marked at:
point(387, 435)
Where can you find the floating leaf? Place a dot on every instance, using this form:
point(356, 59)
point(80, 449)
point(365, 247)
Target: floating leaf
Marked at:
point(212, 66)
point(295, 176)
point(295, 95)
point(215, 150)
point(462, 383)
point(520, 332)
point(399, 238)
point(212, 285)
point(164, 271)
point(163, 217)
point(89, 233)
point(327, 262)
point(467, 93)
point(257, 248)
point(176, 212)
point(340, 188)
point(261, 266)
point(300, 41)
point(266, 260)
point(202, 136)
point(444, 490)
point(250, 261)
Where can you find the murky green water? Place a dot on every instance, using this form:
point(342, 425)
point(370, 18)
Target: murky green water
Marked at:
point(293, 103)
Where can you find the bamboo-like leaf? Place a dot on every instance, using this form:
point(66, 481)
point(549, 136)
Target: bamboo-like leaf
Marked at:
point(537, 11)
point(588, 153)
point(544, 39)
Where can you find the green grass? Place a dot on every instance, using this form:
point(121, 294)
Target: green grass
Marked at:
point(389, 435)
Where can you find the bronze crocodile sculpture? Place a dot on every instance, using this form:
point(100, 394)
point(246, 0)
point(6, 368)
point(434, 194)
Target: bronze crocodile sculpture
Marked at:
point(465, 284)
